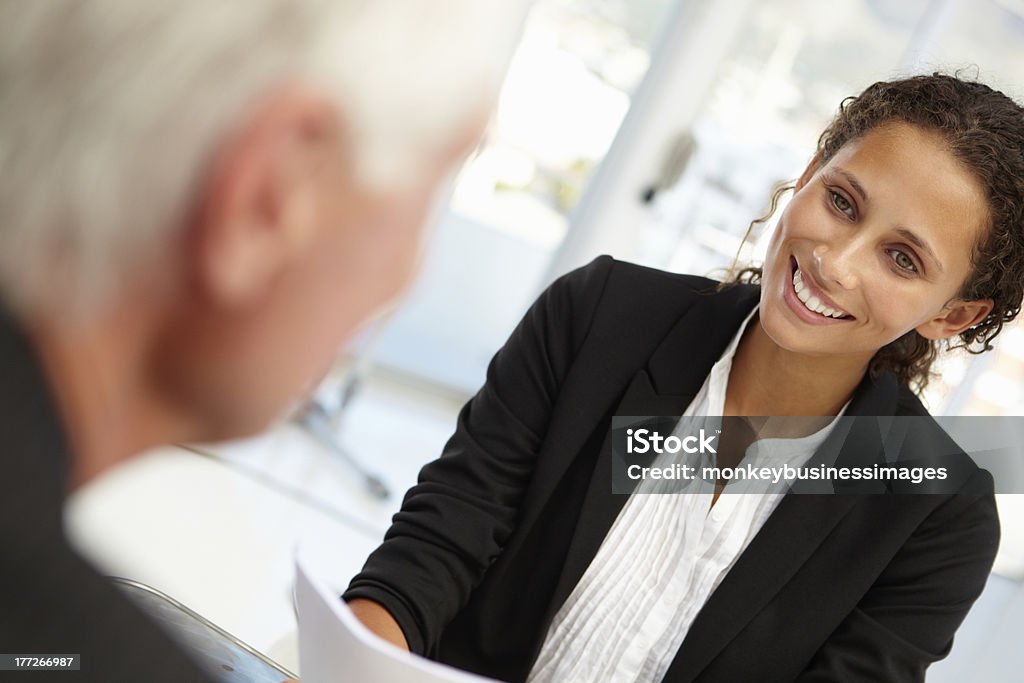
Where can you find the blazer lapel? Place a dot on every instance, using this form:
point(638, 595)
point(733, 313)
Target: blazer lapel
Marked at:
point(683, 360)
point(674, 374)
point(680, 360)
point(788, 538)
point(600, 505)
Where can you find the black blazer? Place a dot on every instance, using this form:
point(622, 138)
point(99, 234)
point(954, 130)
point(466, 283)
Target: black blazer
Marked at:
point(498, 530)
point(51, 600)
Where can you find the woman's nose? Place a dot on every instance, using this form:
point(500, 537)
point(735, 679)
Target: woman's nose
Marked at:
point(836, 265)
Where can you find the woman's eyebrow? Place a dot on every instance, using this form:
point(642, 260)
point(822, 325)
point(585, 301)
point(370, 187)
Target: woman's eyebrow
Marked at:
point(905, 233)
point(912, 237)
point(852, 179)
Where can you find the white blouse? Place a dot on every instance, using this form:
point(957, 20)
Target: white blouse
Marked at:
point(662, 559)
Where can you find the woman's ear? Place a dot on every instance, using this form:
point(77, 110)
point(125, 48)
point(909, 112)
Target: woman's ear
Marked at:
point(812, 168)
point(956, 317)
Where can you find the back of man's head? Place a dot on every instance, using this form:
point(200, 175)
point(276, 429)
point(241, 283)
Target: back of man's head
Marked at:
point(110, 110)
point(202, 199)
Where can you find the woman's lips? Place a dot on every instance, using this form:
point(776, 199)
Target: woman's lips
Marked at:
point(811, 297)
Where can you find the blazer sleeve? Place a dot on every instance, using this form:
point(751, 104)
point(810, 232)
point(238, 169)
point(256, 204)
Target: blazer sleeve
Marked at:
point(907, 619)
point(455, 521)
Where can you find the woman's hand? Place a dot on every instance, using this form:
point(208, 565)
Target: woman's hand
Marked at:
point(379, 621)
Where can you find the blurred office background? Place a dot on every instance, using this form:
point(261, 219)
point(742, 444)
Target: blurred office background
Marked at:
point(653, 130)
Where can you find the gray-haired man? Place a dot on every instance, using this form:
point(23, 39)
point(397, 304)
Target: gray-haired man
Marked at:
point(201, 200)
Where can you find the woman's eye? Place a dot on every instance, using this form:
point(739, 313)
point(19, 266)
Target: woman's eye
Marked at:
point(902, 260)
point(841, 203)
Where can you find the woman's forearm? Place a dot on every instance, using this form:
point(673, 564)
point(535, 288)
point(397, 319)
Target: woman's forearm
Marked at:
point(379, 621)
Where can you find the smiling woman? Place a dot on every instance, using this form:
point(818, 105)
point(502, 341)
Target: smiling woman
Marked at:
point(925, 175)
point(876, 244)
point(511, 556)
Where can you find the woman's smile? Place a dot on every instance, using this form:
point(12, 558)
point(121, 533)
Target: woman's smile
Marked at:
point(876, 242)
point(809, 302)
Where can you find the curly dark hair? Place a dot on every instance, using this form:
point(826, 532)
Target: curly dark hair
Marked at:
point(984, 130)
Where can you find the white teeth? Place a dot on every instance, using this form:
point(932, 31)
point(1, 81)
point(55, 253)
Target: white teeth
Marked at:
point(813, 303)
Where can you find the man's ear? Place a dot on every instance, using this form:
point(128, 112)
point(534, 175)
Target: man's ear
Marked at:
point(812, 168)
point(258, 209)
point(956, 317)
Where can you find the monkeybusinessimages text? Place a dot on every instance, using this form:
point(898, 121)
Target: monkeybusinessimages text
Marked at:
point(643, 441)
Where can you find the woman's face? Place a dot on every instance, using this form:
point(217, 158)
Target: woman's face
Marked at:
point(875, 243)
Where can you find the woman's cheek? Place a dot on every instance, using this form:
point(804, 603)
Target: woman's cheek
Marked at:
point(889, 311)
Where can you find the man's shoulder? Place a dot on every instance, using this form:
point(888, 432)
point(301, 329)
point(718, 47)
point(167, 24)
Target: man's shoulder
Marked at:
point(52, 600)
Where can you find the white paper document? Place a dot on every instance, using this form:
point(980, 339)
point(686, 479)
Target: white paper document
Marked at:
point(335, 647)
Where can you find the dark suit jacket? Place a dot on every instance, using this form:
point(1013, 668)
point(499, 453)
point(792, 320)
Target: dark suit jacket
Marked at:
point(499, 530)
point(51, 600)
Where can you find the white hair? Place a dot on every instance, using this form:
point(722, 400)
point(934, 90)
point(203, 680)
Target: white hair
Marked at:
point(110, 110)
